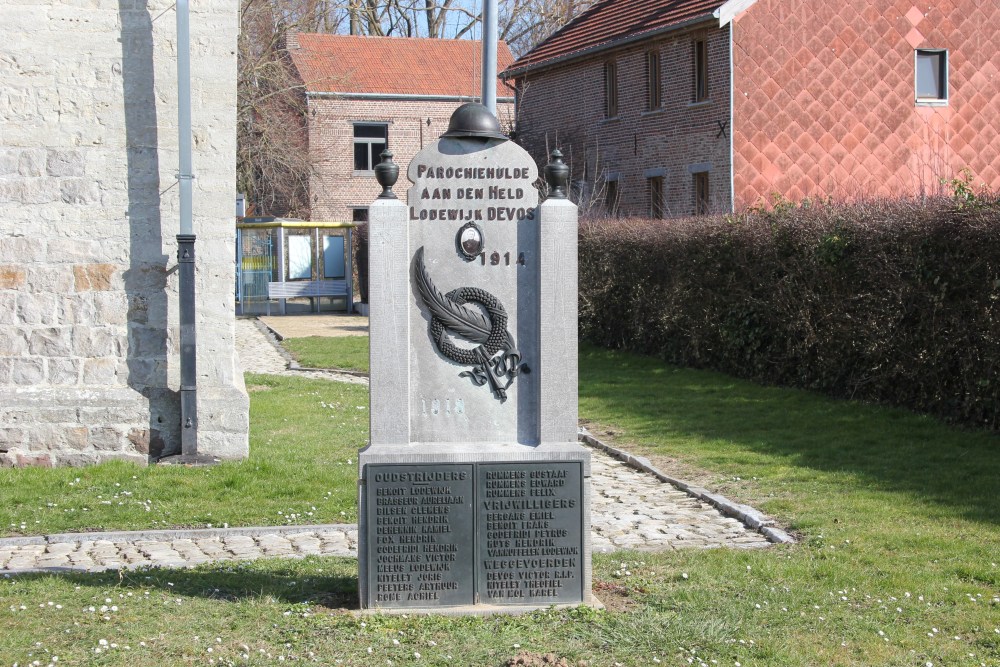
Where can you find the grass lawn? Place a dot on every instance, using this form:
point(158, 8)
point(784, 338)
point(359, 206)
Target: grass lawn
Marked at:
point(342, 352)
point(899, 562)
point(302, 469)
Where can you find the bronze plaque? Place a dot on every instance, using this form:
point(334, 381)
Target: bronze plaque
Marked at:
point(444, 535)
point(420, 526)
point(530, 533)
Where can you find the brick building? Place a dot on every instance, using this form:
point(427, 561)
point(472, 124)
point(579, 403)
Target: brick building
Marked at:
point(363, 93)
point(692, 105)
point(89, 213)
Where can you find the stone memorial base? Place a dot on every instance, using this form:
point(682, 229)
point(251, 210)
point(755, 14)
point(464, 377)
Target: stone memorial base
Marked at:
point(473, 343)
point(474, 528)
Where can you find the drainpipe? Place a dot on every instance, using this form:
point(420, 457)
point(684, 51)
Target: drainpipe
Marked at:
point(186, 239)
point(489, 78)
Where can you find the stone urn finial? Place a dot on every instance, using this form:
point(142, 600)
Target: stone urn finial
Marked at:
point(387, 173)
point(557, 175)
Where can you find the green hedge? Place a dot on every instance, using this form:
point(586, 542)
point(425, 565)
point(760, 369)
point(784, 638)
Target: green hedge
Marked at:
point(897, 302)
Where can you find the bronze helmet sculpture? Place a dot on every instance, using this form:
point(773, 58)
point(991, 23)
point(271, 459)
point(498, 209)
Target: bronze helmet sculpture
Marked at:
point(474, 121)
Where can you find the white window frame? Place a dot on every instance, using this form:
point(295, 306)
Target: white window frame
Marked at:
point(367, 140)
point(930, 101)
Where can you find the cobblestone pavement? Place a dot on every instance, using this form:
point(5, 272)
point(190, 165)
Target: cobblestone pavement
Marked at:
point(258, 353)
point(183, 548)
point(630, 509)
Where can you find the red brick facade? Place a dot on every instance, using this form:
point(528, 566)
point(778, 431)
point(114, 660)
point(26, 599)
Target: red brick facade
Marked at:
point(565, 107)
point(828, 110)
point(823, 101)
point(335, 187)
point(411, 86)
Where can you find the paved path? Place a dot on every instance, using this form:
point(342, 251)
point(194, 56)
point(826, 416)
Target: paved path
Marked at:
point(630, 509)
point(257, 349)
point(112, 551)
point(301, 326)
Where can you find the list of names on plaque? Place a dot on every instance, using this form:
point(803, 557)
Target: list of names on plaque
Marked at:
point(420, 551)
point(530, 542)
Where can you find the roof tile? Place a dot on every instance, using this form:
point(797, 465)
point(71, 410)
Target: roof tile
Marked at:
point(608, 21)
point(393, 65)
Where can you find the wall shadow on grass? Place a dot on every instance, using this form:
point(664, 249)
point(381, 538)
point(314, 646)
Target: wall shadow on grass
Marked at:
point(958, 470)
point(287, 581)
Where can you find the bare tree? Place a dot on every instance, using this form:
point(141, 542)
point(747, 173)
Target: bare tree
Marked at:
point(273, 164)
point(273, 154)
point(525, 23)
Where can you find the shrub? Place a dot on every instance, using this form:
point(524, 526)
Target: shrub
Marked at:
point(897, 302)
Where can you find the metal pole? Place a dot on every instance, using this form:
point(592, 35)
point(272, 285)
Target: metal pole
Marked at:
point(184, 113)
point(349, 273)
point(489, 77)
point(281, 266)
point(186, 239)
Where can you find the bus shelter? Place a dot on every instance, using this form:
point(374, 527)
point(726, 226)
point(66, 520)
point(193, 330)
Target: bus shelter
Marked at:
point(286, 266)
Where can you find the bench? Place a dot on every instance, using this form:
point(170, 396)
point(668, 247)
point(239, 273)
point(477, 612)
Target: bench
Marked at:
point(300, 288)
point(310, 289)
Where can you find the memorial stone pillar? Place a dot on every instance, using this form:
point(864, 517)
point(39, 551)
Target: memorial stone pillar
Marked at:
point(473, 491)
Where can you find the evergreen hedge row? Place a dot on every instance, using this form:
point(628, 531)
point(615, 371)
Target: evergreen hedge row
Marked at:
point(897, 302)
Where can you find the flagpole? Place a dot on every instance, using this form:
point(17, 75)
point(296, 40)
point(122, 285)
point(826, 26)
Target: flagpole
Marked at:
point(489, 77)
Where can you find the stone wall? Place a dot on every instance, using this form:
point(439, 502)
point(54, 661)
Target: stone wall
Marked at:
point(89, 334)
point(564, 107)
point(335, 188)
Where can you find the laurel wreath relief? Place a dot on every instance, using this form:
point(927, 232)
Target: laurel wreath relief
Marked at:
point(496, 360)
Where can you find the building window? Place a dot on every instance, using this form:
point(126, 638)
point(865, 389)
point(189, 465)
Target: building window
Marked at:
point(931, 76)
point(653, 98)
point(611, 196)
point(701, 193)
point(700, 70)
point(370, 139)
point(610, 89)
point(359, 215)
point(655, 197)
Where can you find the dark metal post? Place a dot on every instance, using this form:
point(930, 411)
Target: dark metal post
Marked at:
point(185, 239)
point(189, 370)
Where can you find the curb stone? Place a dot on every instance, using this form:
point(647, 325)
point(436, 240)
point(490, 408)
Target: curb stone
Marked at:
point(118, 537)
point(337, 371)
point(275, 339)
point(747, 515)
point(654, 518)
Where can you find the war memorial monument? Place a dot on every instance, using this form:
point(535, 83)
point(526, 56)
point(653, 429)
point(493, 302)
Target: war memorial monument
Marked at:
point(473, 490)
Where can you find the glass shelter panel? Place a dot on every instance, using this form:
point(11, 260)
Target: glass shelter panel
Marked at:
point(299, 257)
point(256, 266)
point(334, 264)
